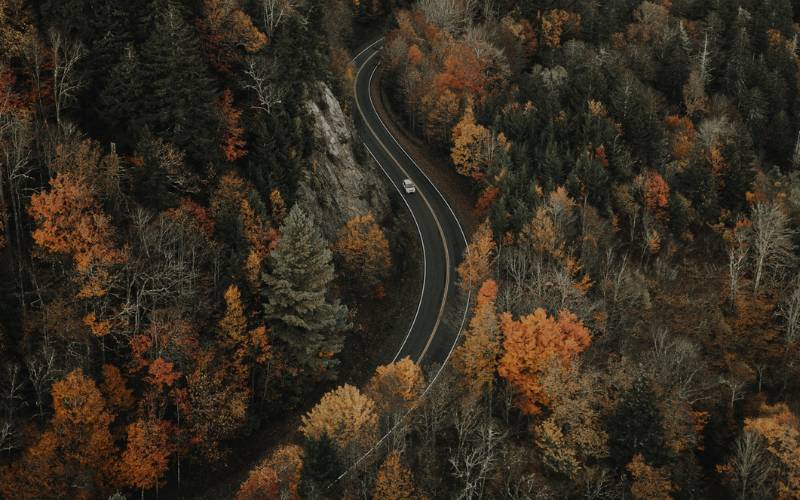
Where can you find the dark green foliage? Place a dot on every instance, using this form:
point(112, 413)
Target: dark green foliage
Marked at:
point(321, 469)
point(306, 326)
point(120, 102)
point(180, 103)
point(636, 426)
point(275, 157)
point(300, 50)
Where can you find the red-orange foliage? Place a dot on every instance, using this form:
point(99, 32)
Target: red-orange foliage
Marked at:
point(475, 268)
point(487, 198)
point(38, 474)
point(683, 135)
point(161, 374)
point(261, 484)
point(529, 343)
point(656, 192)
point(463, 71)
point(75, 457)
point(190, 213)
point(146, 457)
point(233, 143)
point(114, 389)
point(69, 220)
point(414, 55)
point(276, 477)
point(165, 340)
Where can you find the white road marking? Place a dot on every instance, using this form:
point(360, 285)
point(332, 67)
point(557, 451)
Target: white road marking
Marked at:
point(469, 294)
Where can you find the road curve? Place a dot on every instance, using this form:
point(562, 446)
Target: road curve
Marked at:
point(442, 237)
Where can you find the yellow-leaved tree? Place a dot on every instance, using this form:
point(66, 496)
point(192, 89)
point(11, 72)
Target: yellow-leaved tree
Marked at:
point(476, 266)
point(347, 417)
point(648, 482)
point(364, 250)
point(397, 386)
point(780, 430)
point(469, 140)
point(394, 480)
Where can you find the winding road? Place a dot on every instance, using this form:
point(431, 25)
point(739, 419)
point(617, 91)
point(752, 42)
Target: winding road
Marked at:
point(429, 341)
point(442, 237)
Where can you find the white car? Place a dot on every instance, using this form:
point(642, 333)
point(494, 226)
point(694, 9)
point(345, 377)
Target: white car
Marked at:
point(409, 186)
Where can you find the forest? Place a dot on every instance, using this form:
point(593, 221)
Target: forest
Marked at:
point(184, 312)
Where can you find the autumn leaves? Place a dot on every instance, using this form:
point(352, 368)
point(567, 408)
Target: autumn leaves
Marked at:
point(516, 350)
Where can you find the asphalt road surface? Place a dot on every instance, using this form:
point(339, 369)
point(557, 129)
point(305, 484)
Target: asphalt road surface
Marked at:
point(442, 237)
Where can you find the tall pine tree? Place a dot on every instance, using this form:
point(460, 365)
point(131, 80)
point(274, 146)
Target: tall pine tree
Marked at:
point(305, 324)
point(636, 426)
point(180, 104)
point(120, 101)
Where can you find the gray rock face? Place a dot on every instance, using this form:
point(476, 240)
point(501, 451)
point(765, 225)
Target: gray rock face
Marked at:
point(337, 187)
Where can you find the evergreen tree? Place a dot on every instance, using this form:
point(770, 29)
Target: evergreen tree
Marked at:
point(120, 101)
point(180, 104)
point(636, 426)
point(305, 324)
point(274, 160)
point(321, 468)
point(300, 49)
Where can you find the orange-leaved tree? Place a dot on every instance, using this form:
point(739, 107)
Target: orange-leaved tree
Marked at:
point(469, 140)
point(69, 220)
point(146, 456)
point(226, 28)
point(529, 343)
point(648, 482)
point(476, 358)
point(233, 143)
point(75, 457)
point(114, 389)
point(276, 477)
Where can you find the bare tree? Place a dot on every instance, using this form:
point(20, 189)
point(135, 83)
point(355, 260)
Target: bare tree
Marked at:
point(454, 16)
point(267, 93)
point(12, 399)
point(738, 250)
point(66, 82)
point(475, 459)
point(42, 371)
point(275, 12)
point(735, 386)
point(772, 240)
point(15, 149)
point(675, 362)
point(789, 312)
point(751, 466)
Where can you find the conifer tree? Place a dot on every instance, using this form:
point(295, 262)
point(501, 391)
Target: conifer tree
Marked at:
point(305, 323)
point(636, 426)
point(321, 468)
point(179, 104)
point(120, 100)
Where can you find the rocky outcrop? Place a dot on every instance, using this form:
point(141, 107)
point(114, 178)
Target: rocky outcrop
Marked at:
point(338, 186)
